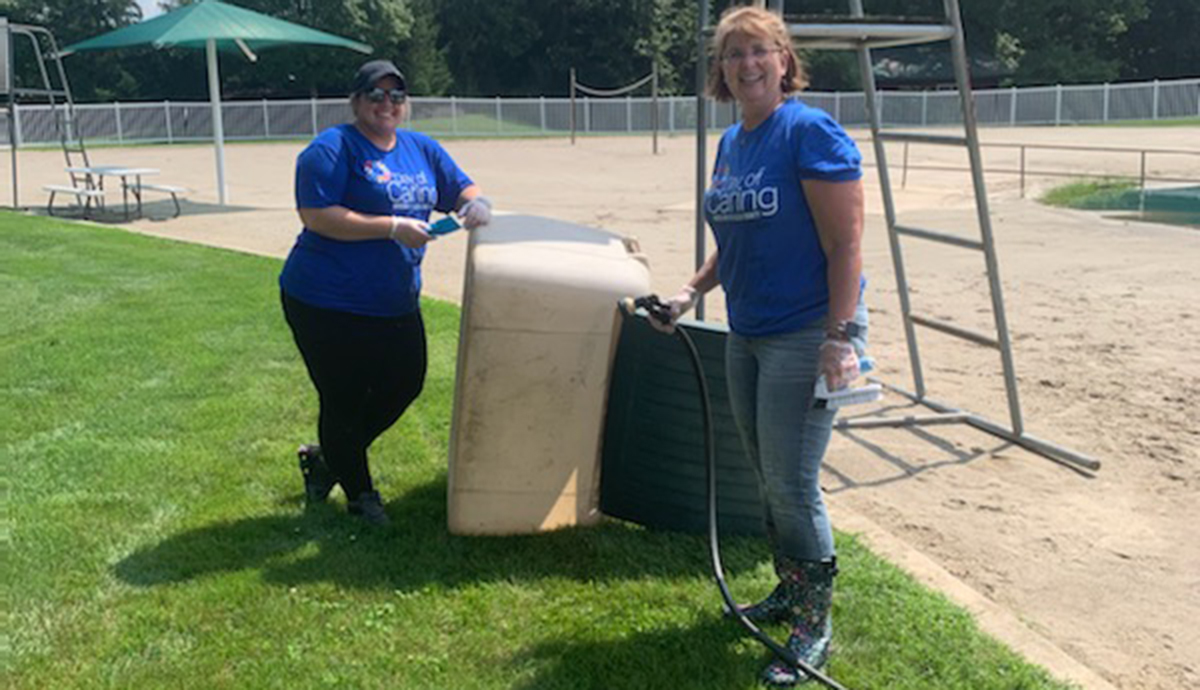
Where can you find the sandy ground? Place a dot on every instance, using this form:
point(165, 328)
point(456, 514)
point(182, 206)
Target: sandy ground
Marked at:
point(1095, 576)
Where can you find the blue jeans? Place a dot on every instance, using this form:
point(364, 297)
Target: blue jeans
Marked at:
point(771, 381)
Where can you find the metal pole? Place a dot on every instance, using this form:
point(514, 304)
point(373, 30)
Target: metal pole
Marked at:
point(889, 207)
point(266, 120)
point(985, 218)
point(572, 106)
point(13, 146)
point(117, 113)
point(1022, 171)
point(453, 115)
point(214, 97)
point(701, 142)
point(654, 100)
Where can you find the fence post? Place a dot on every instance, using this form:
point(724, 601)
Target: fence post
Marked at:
point(837, 106)
point(924, 113)
point(671, 114)
point(499, 116)
point(1057, 105)
point(18, 138)
point(1155, 106)
point(1107, 95)
point(1022, 171)
point(266, 121)
point(1012, 109)
point(313, 107)
point(117, 110)
point(587, 115)
point(453, 115)
point(542, 112)
point(167, 113)
point(628, 113)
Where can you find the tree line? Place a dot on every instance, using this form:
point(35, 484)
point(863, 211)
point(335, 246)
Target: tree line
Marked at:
point(527, 47)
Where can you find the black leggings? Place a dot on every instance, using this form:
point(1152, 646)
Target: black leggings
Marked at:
point(367, 371)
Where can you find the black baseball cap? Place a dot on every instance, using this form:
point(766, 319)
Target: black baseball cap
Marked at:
point(372, 72)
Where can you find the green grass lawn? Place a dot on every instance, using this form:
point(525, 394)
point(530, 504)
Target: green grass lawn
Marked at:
point(150, 403)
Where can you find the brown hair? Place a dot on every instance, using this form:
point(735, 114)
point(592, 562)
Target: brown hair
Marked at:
point(753, 21)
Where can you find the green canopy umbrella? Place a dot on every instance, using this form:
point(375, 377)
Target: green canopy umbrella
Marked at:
point(214, 25)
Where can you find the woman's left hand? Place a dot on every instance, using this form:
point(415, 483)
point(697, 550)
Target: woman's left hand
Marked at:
point(476, 212)
point(838, 362)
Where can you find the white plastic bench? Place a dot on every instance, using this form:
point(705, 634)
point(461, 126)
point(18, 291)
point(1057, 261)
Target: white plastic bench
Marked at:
point(173, 190)
point(83, 196)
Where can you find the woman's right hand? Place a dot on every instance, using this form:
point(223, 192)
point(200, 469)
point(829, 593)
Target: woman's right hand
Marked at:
point(680, 304)
point(410, 232)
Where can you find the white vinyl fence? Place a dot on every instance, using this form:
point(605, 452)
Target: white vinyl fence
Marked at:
point(170, 122)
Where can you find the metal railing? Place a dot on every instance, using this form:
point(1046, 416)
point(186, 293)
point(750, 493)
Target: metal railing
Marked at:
point(1138, 168)
point(175, 121)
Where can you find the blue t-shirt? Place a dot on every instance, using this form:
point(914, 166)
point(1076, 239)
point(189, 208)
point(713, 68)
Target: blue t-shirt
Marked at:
point(770, 260)
point(341, 167)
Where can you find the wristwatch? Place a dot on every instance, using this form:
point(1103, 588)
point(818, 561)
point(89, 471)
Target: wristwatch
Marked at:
point(844, 330)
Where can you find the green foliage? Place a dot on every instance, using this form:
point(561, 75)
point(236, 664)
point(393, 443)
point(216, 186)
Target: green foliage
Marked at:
point(103, 76)
point(1164, 44)
point(151, 400)
point(1088, 194)
point(385, 25)
point(527, 47)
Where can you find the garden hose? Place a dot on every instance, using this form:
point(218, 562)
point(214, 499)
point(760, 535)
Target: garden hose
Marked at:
point(656, 309)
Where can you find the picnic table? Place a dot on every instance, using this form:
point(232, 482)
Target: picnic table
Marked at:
point(125, 173)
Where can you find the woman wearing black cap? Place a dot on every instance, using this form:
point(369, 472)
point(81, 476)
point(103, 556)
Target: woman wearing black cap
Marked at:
point(351, 284)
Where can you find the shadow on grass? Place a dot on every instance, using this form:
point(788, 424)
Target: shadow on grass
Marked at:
point(701, 654)
point(416, 550)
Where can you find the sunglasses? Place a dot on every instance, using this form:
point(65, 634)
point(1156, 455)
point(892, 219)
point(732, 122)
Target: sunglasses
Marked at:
point(377, 95)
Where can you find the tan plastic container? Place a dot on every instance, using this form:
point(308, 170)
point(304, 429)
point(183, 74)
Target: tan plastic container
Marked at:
point(534, 354)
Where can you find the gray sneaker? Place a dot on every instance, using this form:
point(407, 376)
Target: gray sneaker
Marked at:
point(369, 507)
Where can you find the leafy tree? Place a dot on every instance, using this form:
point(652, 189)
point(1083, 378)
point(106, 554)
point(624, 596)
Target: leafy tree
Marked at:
point(423, 58)
point(1165, 43)
point(528, 47)
point(101, 78)
point(305, 70)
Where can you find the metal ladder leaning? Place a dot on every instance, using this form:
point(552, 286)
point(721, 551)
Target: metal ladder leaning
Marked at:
point(62, 105)
point(859, 33)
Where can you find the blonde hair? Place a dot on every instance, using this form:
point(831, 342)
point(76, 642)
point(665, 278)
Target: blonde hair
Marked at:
point(758, 22)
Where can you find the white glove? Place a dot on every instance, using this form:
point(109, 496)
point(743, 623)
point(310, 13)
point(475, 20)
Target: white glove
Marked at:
point(409, 232)
point(680, 304)
point(476, 212)
point(838, 362)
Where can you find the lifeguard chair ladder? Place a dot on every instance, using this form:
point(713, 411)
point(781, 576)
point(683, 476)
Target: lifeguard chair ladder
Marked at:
point(860, 33)
point(58, 96)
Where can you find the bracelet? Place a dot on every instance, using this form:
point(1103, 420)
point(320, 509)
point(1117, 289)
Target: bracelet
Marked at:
point(843, 330)
point(392, 232)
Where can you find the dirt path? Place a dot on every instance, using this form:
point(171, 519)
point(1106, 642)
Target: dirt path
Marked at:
point(1096, 577)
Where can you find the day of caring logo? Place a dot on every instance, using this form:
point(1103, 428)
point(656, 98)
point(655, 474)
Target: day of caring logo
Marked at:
point(735, 198)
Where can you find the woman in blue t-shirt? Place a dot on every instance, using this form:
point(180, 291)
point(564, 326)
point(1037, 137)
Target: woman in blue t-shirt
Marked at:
point(786, 207)
point(352, 282)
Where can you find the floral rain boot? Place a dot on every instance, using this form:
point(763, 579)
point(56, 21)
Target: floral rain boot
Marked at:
point(810, 584)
